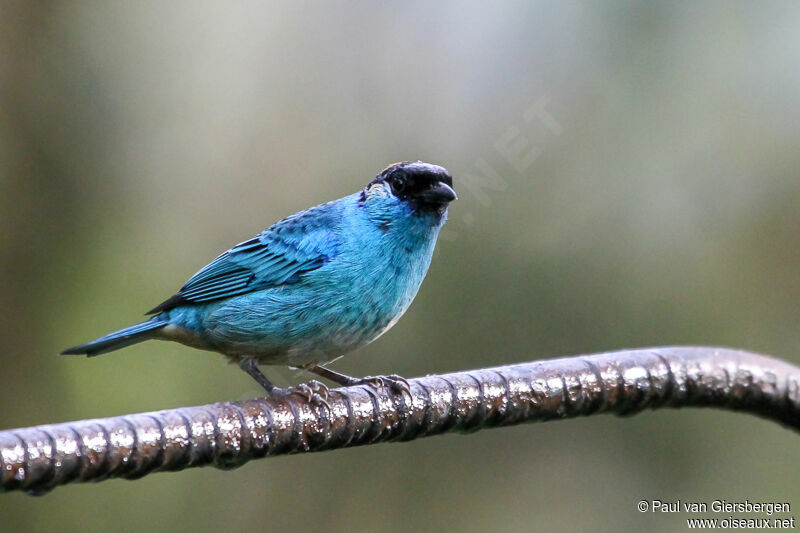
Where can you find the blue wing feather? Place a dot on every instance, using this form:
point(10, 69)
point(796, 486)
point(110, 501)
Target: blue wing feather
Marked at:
point(280, 255)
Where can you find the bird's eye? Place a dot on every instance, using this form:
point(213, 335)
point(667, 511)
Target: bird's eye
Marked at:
point(399, 184)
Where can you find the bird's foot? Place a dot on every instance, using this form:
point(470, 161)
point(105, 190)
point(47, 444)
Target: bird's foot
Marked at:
point(395, 383)
point(313, 392)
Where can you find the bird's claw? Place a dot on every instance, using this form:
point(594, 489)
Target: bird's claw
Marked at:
point(393, 382)
point(311, 389)
point(313, 392)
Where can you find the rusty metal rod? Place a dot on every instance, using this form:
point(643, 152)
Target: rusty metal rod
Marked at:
point(228, 434)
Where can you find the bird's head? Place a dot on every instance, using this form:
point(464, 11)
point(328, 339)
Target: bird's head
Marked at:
point(410, 188)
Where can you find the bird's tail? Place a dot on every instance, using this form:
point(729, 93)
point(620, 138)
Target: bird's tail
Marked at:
point(118, 339)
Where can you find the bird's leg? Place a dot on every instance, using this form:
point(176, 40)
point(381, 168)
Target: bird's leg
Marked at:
point(250, 365)
point(396, 383)
point(314, 391)
point(327, 373)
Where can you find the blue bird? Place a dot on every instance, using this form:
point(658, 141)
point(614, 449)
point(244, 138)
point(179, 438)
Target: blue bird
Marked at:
point(312, 287)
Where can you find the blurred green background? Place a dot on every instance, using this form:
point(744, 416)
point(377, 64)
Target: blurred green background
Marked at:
point(628, 175)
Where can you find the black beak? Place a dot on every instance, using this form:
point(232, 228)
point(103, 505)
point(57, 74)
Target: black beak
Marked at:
point(441, 194)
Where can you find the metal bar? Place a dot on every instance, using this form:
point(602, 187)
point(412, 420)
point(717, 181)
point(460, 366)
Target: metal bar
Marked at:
point(227, 435)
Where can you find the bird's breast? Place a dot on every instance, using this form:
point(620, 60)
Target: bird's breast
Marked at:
point(350, 301)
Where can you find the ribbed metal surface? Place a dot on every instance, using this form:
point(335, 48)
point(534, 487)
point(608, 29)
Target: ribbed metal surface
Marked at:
point(228, 434)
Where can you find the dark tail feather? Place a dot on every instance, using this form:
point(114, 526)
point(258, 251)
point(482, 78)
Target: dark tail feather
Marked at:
point(118, 339)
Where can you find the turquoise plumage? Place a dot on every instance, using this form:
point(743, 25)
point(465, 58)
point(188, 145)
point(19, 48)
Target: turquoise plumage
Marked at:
point(312, 287)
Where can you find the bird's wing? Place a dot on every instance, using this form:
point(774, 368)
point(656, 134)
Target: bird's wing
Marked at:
point(280, 255)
